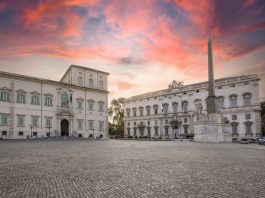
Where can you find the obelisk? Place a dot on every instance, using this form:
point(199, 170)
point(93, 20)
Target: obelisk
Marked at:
point(211, 99)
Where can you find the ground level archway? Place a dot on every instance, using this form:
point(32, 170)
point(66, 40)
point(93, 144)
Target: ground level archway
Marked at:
point(64, 127)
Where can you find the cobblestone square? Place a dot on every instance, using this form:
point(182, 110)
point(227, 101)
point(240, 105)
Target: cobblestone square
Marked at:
point(118, 168)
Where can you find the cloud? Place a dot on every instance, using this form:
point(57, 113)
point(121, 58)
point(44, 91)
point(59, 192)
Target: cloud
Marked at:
point(125, 85)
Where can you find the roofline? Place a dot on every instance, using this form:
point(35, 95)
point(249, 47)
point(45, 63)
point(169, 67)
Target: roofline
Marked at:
point(84, 68)
point(46, 81)
point(145, 95)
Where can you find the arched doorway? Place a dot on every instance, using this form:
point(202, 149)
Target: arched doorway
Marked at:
point(64, 127)
point(176, 131)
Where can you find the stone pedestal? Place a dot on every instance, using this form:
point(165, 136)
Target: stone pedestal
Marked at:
point(209, 129)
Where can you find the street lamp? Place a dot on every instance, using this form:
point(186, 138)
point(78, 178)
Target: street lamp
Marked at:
point(31, 127)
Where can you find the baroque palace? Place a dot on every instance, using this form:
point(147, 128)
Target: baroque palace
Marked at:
point(74, 106)
point(171, 113)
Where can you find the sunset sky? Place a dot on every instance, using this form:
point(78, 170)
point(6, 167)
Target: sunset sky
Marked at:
point(144, 44)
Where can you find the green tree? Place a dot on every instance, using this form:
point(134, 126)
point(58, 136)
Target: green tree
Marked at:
point(116, 115)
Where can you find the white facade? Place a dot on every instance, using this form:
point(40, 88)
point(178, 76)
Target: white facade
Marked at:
point(34, 107)
point(172, 111)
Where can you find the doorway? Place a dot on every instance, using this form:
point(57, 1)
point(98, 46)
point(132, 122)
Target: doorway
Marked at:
point(176, 132)
point(64, 127)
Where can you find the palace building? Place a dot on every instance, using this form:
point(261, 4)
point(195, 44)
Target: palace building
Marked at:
point(171, 113)
point(76, 105)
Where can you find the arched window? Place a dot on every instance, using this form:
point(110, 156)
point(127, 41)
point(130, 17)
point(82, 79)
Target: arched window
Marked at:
point(221, 102)
point(247, 99)
point(185, 106)
point(64, 100)
point(141, 110)
point(128, 112)
point(155, 109)
point(175, 107)
point(233, 100)
point(148, 110)
point(134, 112)
point(165, 108)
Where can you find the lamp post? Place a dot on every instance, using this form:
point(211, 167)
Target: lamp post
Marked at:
point(31, 127)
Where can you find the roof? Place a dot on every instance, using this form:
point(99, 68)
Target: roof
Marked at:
point(83, 68)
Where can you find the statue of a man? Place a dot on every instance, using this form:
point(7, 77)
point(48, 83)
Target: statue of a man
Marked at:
point(199, 109)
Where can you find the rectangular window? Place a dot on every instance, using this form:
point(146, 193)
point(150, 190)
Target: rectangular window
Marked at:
point(35, 100)
point(148, 122)
point(234, 117)
point(80, 80)
point(246, 83)
point(80, 104)
point(20, 133)
point(91, 124)
point(48, 122)
point(80, 124)
point(90, 83)
point(101, 107)
point(234, 129)
point(20, 120)
point(248, 116)
point(128, 124)
point(35, 121)
point(134, 123)
point(156, 130)
point(4, 132)
point(91, 105)
point(100, 84)
point(248, 128)
point(4, 119)
point(48, 101)
point(21, 98)
point(35, 134)
point(101, 125)
point(185, 120)
point(4, 96)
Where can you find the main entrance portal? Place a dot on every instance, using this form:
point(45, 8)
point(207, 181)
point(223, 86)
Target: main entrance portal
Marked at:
point(176, 131)
point(64, 127)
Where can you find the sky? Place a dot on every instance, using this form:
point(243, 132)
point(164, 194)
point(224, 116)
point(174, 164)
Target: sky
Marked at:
point(143, 44)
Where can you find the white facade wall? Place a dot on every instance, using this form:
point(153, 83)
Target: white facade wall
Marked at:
point(224, 87)
point(56, 112)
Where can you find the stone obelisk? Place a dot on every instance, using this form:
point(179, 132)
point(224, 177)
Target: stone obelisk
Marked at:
point(211, 99)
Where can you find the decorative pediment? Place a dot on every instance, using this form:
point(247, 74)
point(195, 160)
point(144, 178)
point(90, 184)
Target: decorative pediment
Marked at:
point(5, 89)
point(80, 99)
point(35, 93)
point(21, 91)
point(48, 94)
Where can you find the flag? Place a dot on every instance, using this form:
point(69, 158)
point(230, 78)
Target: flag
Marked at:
point(71, 98)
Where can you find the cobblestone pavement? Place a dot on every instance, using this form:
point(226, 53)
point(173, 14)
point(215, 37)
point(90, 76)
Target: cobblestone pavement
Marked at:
point(118, 168)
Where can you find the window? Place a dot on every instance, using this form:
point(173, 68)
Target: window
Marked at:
point(165, 108)
point(134, 112)
point(20, 120)
point(155, 109)
point(148, 122)
point(197, 91)
point(20, 133)
point(156, 131)
point(186, 130)
point(220, 102)
point(134, 123)
point(141, 109)
point(234, 117)
point(91, 124)
point(246, 99)
point(128, 112)
point(35, 100)
point(4, 119)
point(185, 120)
point(21, 98)
point(166, 121)
point(101, 125)
point(246, 83)
point(233, 85)
point(248, 116)
point(148, 110)
point(233, 100)
point(91, 105)
point(79, 124)
point(166, 130)
point(80, 80)
point(128, 124)
point(128, 131)
point(148, 131)
point(48, 122)
point(135, 131)
point(4, 95)
point(219, 87)
point(175, 107)
point(90, 83)
point(156, 122)
point(185, 106)
point(4, 132)
point(35, 133)
point(100, 84)
point(248, 127)
point(64, 100)
point(101, 106)
point(79, 103)
point(48, 101)
point(234, 128)
point(34, 121)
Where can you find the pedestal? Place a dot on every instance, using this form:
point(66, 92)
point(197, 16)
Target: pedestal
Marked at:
point(209, 129)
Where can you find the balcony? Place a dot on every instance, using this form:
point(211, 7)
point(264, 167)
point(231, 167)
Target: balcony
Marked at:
point(64, 110)
point(141, 125)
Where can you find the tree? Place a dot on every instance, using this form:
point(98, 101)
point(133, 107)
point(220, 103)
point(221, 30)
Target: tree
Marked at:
point(116, 115)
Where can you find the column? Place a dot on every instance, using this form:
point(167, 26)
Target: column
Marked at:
point(59, 126)
point(71, 127)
